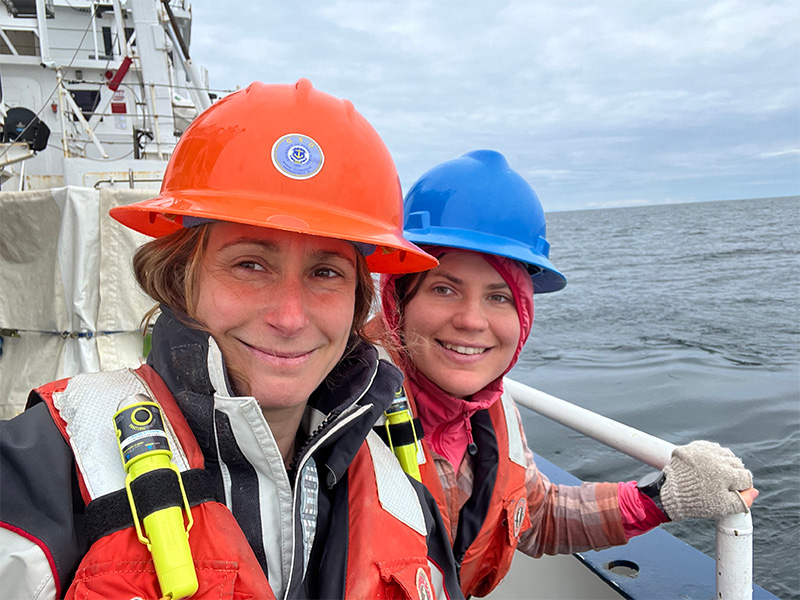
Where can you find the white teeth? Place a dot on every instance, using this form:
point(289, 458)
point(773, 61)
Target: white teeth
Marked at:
point(463, 349)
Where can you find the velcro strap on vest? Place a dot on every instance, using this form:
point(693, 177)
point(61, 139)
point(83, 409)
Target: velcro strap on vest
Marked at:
point(152, 492)
point(402, 433)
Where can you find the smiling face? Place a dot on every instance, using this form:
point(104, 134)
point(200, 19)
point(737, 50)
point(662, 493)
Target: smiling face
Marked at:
point(461, 328)
point(280, 306)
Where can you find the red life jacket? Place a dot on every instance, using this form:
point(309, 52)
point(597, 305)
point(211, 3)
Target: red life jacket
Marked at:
point(118, 565)
point(487, 557)
point(377, 573)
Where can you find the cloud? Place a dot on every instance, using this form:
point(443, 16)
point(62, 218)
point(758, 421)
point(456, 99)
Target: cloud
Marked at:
point(591, 101)
point(781, 153)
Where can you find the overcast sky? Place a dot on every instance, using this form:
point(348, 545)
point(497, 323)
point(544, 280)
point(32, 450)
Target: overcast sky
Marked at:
point(597, 104)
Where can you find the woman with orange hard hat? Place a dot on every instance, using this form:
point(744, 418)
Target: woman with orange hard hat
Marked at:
point(261, 386)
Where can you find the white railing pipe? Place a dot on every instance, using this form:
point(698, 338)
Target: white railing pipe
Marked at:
point(642, 446)
point(734, 576)
point(735, 557)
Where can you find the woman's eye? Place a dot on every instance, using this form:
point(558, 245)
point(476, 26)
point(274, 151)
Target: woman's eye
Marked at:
point(250, 265)
point(500, 298)
point(441, 290)
point(326, 273)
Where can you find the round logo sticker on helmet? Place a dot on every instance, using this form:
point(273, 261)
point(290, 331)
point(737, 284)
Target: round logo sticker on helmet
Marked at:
point(297, 156)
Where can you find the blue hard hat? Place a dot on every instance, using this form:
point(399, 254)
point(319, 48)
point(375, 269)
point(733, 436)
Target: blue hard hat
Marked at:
point(477, 202)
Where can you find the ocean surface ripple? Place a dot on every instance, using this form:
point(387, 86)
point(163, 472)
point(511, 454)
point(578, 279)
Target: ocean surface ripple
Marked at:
point(683, 321)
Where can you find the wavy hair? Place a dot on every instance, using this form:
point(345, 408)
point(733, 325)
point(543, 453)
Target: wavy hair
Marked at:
point(166, 269)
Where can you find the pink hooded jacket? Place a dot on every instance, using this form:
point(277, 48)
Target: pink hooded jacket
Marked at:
point(446, 419)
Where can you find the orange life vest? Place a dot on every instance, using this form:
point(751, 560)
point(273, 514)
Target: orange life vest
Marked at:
point(118, 565)
point(486, 558)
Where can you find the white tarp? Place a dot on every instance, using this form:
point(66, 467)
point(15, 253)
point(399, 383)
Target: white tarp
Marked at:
point(67, 286)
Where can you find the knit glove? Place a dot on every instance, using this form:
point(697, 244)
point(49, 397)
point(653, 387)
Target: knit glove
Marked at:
point(702, 481)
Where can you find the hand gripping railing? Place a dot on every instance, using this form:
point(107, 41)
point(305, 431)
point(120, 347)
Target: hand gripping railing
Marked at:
point(734, 532)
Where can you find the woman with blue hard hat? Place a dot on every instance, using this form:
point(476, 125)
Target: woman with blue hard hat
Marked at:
point(455, 331)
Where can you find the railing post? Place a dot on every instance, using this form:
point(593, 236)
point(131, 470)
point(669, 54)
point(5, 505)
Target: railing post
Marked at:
point(735, 557)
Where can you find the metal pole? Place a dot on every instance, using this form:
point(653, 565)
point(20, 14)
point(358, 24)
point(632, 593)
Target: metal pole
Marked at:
point(734, 533)
point(735, 557)
point(171, 17)
point(637, 444)
point(22, 177)
point(44, 40)
point(156, 128)
point(94, 30)
point(199, 93)
point(197, 88)
point(119, 19)
point(61, 114)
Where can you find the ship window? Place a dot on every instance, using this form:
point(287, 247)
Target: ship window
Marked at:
point(24, 42)
point(87, 101)
point(185, 28)
point(25, 9)
point(108, 40)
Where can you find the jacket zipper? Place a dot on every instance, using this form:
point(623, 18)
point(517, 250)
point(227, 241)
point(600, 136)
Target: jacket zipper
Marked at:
point(315, 440)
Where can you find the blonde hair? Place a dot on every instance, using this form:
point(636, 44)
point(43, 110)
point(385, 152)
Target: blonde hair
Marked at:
point(166, 269)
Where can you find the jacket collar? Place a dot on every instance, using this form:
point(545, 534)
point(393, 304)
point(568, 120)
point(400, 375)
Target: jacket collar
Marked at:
point(180, 353)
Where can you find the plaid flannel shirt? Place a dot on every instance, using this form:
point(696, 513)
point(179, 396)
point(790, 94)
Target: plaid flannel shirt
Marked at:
point(564, 519)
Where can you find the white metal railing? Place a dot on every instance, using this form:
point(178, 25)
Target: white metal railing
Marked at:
point(734, 532)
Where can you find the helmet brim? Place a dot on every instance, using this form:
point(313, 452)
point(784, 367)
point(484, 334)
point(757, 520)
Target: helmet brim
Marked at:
point(546, 278)
point(164, 214)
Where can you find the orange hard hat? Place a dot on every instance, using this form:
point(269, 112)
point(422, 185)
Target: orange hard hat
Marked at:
point(285, 157)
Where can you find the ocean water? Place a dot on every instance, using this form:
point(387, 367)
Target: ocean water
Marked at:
point(683, 321)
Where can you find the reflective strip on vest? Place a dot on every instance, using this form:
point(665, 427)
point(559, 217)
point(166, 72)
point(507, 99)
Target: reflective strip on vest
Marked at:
point(516, 451)
point(87, 405)
point(395, 492)
point(437, 580)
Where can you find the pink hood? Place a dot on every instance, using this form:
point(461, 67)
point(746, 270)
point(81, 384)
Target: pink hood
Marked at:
point(446, 419)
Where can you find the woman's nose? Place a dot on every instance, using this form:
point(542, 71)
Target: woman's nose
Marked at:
point(287, 310)
point(470, 315)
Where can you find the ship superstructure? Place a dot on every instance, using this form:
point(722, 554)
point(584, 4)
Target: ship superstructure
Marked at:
point(94, 93)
